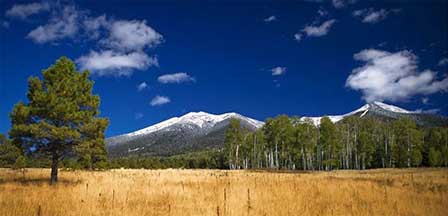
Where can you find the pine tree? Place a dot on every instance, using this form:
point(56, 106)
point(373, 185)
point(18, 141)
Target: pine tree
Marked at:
point(60, 108)
point(92, 152)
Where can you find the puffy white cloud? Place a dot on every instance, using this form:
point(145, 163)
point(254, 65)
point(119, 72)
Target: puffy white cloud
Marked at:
point(142, 86)
point(319, 30)
point(132, 35)
point(392, 76)
point(270, 19)
point(60, 26)
point(121, 44)
point(159, 100)
point(113, 63)
point(175, 78)
point(370, 15)
point(443, 62)
point(22, 11)
point(277, 71)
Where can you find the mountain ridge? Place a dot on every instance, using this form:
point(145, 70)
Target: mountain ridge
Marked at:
point(364, 109)
point(204, 131)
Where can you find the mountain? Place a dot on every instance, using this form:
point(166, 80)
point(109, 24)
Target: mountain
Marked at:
point(191, 132)
point(199, 131)
point(387, 112)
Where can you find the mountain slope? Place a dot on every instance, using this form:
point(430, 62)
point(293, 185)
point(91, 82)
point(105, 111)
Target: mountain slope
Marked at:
point(387, 112)
point(191, 132)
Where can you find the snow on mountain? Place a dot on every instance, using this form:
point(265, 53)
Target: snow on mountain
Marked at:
point(202, 120)
point(391, 108)
point(364, 109)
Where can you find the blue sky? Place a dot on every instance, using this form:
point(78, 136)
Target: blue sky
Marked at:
point(152, 60)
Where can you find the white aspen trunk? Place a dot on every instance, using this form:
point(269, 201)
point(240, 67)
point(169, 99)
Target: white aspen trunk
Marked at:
point(237, 162)
point(276, 155)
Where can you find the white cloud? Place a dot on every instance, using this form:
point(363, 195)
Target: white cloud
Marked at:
point(371, 16)
point(277, 71)
point(63, 25)
point(320, 30)
point(22, 11)
point(159, 100)
point(270, 19)
point(114, 63)
point(175, 78)
point(392, 76)
point(342, 3)
point(443, 62)
point(132, 35)
point(121, 44)
point(298, 37)
point(142, 86)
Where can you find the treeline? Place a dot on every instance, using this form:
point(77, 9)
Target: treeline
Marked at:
point(353, 143)
point(12, 157)
point(212, 159)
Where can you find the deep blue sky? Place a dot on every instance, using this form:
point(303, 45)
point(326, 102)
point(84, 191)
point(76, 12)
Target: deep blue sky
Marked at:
point(229, 49)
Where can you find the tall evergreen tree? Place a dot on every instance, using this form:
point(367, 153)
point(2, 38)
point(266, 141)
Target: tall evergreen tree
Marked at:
point(60, 114)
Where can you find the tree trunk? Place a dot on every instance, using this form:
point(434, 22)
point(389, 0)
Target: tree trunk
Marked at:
point(237, 162)
point(409, 150)
point(54, 169)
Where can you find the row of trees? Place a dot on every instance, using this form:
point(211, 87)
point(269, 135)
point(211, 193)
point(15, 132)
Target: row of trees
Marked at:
point(353, 143)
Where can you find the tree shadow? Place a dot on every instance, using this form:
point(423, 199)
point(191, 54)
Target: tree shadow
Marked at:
point(39, 181)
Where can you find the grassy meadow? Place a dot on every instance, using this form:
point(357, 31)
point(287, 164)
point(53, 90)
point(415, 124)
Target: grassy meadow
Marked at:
point(223, 192)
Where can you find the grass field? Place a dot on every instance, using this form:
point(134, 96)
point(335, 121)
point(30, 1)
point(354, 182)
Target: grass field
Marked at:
point(216, 192)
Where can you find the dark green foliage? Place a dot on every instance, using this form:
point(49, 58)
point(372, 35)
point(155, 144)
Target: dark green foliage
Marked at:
point(8, 152)
point(20, 162)
point(233, 142)
point(60, 118)
point(434, 157)
point(197, 160)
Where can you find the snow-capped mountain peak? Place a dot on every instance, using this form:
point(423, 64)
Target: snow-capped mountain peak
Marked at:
point(200, 119)
point(362, 111)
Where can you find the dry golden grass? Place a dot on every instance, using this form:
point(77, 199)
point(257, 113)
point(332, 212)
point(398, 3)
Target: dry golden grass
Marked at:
point(217, 192)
